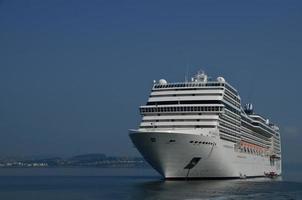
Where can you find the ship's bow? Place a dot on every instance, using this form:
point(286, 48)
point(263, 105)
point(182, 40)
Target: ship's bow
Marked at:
point(177, 155)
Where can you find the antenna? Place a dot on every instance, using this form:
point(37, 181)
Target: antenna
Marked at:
point(187, 74)
point(250, 93)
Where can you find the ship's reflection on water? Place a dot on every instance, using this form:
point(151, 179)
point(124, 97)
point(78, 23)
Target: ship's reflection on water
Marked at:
point(145, 184)
point(260, 188)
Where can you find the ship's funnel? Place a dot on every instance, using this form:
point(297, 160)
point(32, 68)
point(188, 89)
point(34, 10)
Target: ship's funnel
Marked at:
point(248, 109)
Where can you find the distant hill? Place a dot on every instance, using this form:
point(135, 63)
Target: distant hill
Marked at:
point(83, 160)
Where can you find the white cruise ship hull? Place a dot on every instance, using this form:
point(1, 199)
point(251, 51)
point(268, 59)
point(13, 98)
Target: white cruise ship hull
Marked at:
point(181, 154)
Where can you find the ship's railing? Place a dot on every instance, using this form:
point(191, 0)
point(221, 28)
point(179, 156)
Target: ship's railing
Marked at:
point(188, 84)
point(195, 84)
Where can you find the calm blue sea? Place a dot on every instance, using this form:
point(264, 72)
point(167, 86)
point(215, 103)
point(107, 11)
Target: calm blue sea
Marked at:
point(99, 184)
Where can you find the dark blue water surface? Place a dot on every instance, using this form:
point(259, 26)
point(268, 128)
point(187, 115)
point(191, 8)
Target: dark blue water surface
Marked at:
point(95, 183)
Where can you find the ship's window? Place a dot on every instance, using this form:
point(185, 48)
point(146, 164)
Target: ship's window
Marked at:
point(153, 139)
point(172, 140)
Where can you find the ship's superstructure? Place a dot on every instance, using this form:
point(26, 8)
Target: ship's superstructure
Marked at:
point(198, 129)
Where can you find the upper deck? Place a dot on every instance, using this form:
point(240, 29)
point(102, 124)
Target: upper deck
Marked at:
point(194, 85)
point(199, 81)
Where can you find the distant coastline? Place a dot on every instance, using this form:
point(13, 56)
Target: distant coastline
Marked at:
point(84, 160)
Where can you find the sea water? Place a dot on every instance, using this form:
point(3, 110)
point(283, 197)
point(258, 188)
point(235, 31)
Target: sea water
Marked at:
point(98, 184)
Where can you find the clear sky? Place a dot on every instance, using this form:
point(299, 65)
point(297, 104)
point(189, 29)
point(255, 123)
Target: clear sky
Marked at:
point(73, 73)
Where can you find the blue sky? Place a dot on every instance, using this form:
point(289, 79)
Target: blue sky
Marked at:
point(73, 73)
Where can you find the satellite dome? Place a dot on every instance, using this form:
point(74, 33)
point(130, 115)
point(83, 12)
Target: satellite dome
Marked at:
point(162, 82)
point(220, 79)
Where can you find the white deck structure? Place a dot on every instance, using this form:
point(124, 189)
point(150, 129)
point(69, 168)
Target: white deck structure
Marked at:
point(198, 129)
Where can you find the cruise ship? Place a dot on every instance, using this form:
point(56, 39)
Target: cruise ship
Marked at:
point(199, 129)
